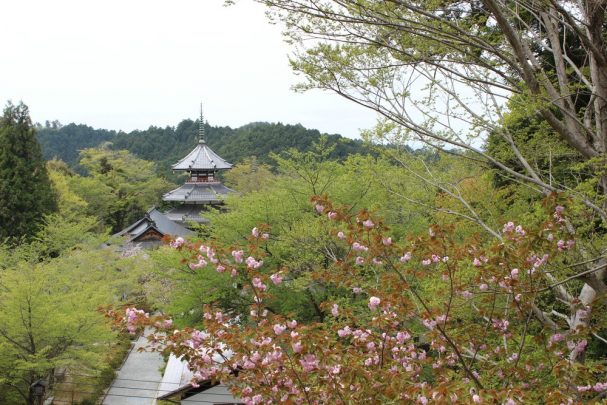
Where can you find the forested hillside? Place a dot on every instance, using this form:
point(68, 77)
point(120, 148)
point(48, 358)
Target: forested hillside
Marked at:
point(65, 142)
point(166, 145)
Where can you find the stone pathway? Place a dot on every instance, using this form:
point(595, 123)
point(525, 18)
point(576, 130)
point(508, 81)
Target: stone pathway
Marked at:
point(137, 380)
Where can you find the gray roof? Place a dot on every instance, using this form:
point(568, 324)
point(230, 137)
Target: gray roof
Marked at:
point(202, 158)
point(198, 193)
point(187, 213)
point(156, 220)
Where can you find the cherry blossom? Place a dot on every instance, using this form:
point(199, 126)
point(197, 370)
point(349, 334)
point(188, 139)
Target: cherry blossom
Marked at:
point(373, 303)
point(238, 256)
point(178, 242)
point(276, 278)
point(406, 257)
point(359, 248)
point(252, 263)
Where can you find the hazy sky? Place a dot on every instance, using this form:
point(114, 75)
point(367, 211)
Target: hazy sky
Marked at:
point(134, 63)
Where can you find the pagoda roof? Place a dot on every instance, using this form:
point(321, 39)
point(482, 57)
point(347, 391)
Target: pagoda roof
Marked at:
point(202, 158)
point(185, 213)
point(198, 193)
point(153, 220)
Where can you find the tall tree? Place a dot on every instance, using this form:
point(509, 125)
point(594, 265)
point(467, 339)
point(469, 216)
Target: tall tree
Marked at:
point(443, 70)
point(442, 73)
point(25, 189)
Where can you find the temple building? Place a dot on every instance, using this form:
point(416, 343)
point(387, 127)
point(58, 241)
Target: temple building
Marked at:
point(202, 186)
point(200, 190)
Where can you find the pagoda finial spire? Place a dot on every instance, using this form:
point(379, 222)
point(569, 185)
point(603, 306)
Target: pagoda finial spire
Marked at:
point(201, 127)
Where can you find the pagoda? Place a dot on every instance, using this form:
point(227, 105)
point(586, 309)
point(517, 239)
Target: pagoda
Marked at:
point(202, 186)
point(201, 190)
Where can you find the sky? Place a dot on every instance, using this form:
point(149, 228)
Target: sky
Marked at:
point(129, 64)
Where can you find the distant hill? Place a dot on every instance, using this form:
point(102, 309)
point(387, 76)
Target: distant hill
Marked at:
point(166, 145)
point(65, 142)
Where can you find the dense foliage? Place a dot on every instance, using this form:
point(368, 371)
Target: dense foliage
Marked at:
point(427, 318)
point(25, 190)
point(167, 145)
point(64, 142)
point(499, 299)
point(462, 273)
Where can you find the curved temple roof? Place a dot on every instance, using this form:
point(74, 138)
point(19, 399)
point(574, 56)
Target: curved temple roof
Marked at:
point(202, 158)
point(198, 193)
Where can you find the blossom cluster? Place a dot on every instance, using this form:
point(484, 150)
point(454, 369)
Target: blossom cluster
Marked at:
point(428, 305)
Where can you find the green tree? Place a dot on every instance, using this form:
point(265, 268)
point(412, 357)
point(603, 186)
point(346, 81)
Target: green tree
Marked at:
point(249, 175)
point(119, 188)
point(49, 321)
point(25, 189)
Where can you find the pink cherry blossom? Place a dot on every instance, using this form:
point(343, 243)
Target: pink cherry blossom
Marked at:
point(258, 284)
point(335, 310)
point(405, 258)
point(346, 331)
point(401, 337)
point(278, 329)
point(234, 273)
point(426, 262)
point(386, 241)
point(265, 236)
point(319, 208)
point(332, 215)
point(467, 295)
point(252, 263)
point(178, 242)
point(368, 224)
point(201, 263)
point(508, 227)
point(600, 386)
point(373, 303)
point(483, 287)
point(292, 324)
point(357, 290)
point(341, 235)
point(476, 262)
point(220, 269)
point(335, 369)
point(238, 255)
point(276, 278)
point(359, 248)
point(360, 261)
point(514, 274)
point(255, 232)
point(309, 362)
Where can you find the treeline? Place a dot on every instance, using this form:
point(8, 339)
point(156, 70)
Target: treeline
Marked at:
point(166, 145)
